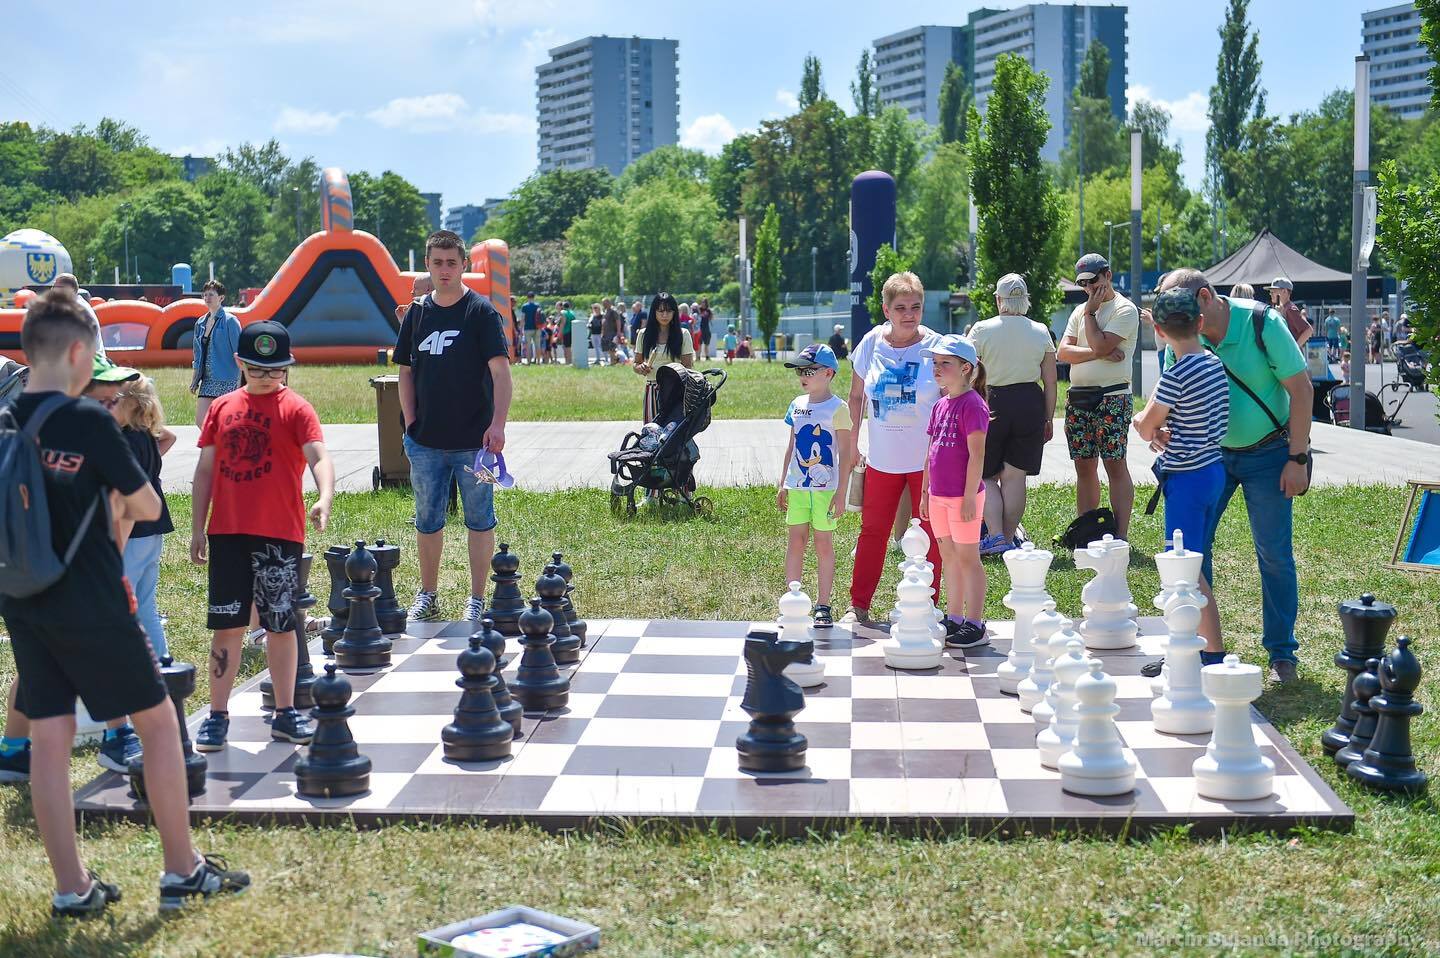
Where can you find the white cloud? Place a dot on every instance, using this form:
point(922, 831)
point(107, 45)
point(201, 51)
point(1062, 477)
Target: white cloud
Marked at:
point(314, 122)
point(1189, 114)
point(439, 112)
point(708, 133)
point(787, 99)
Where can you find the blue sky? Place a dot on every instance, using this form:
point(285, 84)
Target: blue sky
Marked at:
point(443, 92)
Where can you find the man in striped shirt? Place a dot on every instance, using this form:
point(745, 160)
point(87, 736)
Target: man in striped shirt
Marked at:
point(1192, 401)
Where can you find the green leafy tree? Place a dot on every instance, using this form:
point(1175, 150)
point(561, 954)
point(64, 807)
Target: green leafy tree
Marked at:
point(537, 268)
point(264, 166)
point(935, 223)
point(897, 147)
point(1406, 234)
point(76, 164)
point(75, 223)
point(21, 159)
point(1095, 72)
point(728, 172)
point(1156, 149)
point(298, 189)
point(390, 207)
point(766, 285)
point(166, 225)
point(542, 208)
point(1236, 99)
point(1429, 11)
point(594, 245)
point(862, 88)
point(1106, 145)
point(234, 228)
point(1019, 208)
point(676, 162)
point(812, 88)
point(888, 261)
point(956, 99)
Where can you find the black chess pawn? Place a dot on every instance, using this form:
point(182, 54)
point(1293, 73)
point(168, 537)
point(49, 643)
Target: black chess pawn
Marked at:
point(506, 601)
point(387, 609)
point(772, 744)
point(335, 557)
point(1367, 686)
point(510, 710)
point(332, 766)
point(551, 589)
point(179, 681)
point(563, 569)
point(363, 647)
point(304, 669)
point(1366, 624)
point(478, 733)
point(538, 684)
point(1389, 762)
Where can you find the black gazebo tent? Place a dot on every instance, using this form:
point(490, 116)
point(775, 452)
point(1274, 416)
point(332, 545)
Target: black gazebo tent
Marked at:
point(1266, 257)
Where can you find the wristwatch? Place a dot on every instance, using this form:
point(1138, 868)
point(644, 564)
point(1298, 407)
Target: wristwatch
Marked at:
point(1303, 458)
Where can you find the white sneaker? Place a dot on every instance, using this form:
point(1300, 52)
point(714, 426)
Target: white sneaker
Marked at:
point(256, 637)
point(474, 609)
point(425, 608)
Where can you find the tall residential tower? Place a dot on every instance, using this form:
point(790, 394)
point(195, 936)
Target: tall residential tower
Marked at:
point(1398, 62)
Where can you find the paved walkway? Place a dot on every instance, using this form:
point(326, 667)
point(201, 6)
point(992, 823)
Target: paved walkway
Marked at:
point(545, 456)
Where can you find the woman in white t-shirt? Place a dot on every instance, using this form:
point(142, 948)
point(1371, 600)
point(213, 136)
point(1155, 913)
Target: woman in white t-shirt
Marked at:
point(892, 392)
point(663, 341)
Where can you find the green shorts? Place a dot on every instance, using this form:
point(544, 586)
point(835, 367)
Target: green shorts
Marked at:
point(809, 507)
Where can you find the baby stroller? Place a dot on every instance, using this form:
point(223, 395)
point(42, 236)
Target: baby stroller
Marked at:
point(1411, 363)
point(661, 457)
point(12, 380)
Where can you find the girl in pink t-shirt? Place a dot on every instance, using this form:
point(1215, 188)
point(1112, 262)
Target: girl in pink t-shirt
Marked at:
point(952, 495)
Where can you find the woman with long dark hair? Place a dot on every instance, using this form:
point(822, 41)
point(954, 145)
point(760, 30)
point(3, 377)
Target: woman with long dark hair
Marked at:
point(663, 341)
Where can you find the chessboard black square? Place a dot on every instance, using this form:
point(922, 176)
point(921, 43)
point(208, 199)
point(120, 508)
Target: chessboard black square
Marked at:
point(406, 703)
point(1037, 797)
point(696, 629)
point(446, 792)
point(554, 729)
point(660, 707)
point(1011, 734)
point(591, 682)
point(938, 710)
point(384, 756)
point(425, 663)
point(949, 763)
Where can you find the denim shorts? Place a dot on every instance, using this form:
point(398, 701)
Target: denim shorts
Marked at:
point(430, 473)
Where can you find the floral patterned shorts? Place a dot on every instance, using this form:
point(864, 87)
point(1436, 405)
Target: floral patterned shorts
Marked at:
point(1103, 433)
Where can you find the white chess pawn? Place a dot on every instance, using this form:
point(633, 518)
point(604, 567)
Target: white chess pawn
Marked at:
point(1109, 614)
point(1182, 709)
point(1232, 768)
point(1028, 567)
point(1044, 710)
point(1056, 740)
point(1096, 764)
point(796, 625)
point(1044, 626)
point(912, 644)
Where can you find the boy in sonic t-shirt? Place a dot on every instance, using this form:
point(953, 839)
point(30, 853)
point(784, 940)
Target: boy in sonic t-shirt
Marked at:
point(815, 471)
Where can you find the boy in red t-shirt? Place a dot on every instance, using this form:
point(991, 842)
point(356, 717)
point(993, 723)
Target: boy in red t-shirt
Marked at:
point(253, 450)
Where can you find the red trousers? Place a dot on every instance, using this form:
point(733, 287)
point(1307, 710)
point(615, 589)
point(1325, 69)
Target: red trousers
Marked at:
point(877, 519)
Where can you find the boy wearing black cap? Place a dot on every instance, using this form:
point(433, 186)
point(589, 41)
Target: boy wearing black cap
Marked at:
point(254, 446)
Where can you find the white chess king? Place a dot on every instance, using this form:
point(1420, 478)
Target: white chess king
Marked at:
point(1028, 567)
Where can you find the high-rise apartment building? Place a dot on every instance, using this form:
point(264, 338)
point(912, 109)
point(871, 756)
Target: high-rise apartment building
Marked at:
point(604, 101)
point(910, 67)
point(1398, 62)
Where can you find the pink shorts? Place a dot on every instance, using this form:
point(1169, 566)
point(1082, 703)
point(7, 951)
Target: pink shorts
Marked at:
point(945, 519)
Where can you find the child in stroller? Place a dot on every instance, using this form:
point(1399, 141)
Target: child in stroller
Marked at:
point(660, 458)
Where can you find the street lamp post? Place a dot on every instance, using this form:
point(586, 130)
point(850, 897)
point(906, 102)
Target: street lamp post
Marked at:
point(1080, 132)
point(125, 209)
point(1160, 231)
point(814, 296)
point(1110, 239)
point(299, 229)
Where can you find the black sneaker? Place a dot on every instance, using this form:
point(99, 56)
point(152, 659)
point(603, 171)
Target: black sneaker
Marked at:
point(88, 905)
point(213, 731)
point(1151, 670)
point(211, 877)
point(290, 726)
point(822, 616)
point(968, 636)
point(117, 753)
point(15, 767)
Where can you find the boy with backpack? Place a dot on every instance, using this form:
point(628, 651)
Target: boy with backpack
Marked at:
point(68, 474)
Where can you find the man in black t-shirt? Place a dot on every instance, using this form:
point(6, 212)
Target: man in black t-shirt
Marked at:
point(79, 637)
point(455, 396)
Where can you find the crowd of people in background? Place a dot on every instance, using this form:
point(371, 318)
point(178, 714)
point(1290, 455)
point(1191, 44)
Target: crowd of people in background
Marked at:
point(610, 331)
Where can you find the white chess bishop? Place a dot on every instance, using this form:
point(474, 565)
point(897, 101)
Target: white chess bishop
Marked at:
point(796, 625)
point(1043, 628)
point(1044, 709)
point(1096, 763)
point(1232, 768)
point(912, 644)
point(1028, 567)
point(1056, 740)
point(1109, 613)
point(1182, 709)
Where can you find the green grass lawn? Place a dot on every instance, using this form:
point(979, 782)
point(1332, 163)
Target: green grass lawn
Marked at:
point(661, 892)
point(756, 389)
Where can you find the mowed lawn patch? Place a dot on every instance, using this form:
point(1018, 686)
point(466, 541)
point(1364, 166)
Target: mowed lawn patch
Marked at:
point(665, 892)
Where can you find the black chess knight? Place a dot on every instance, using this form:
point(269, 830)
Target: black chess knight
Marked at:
point(771, 744)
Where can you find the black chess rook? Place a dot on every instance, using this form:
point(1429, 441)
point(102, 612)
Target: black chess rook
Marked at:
point(332, 766)
point(506, 600)
point(478, 733)
point(771, 744)
point(387, 609)
point(302, 602)
point(363, 647)
point(538, 683)
point(551, 589)
point(179, 681)
point(335, 557)
point(1389, 762)
point(578, 626)
point(1366, 624)
point(510, 710)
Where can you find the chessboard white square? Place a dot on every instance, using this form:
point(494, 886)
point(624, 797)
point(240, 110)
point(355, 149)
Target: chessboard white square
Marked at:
point(933, 686)
point(1142, 734)
point(1020, 765)
point(280, 789)
point(670, 684)
point(669, 645)
point(416, 682)
point(435, 764)
point(621, 628)
point(954, 796)
point(670, 733)
point(872, 687)
point(398, 728)
point(1005, 709)
point(582, 705)
point(1290, 792)
point(609, 794)
point(607, 663)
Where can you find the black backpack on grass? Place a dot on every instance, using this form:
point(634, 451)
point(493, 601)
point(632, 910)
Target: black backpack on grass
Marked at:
point(1087, 528)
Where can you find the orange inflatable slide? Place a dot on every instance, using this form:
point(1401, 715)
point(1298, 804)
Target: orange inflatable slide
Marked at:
point(337, 294)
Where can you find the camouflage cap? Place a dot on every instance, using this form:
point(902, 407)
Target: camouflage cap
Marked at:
point(1176, 301)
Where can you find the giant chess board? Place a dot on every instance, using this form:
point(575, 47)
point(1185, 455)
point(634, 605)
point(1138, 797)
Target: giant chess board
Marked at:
point(650, 734)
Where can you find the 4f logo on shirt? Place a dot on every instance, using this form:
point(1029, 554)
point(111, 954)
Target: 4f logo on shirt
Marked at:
point(435, 343)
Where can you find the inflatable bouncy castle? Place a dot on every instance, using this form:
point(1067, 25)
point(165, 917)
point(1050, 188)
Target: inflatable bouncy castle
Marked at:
point(337, 294)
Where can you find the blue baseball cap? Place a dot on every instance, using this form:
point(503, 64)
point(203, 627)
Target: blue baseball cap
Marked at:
point(816, 354)
point(954, 345)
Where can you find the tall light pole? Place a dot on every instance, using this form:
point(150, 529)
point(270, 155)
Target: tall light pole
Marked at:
point(299, 229)
point(814, 296)
point(1160, 231)
point(1357, 271)
point(1080, 132)
point(1136, 377)
point(1110, 240)
point(125, 209)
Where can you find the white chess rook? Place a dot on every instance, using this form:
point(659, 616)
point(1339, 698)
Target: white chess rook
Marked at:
point(1176, 564)
point(1232, 768)
point(1043, 628)
point(1182, 709)
point(1044, 709)
point(1096, 763)
point(1109, 614)
point(1056, 740)
point(796, 625)
point(1028, 567)
point(912, 644)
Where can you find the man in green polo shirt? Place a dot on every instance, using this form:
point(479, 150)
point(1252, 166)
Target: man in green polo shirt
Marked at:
point(1266, 448)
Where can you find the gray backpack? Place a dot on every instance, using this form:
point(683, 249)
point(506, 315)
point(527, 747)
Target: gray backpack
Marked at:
point(28, 563)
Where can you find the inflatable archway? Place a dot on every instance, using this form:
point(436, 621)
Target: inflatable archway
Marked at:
point(337, 294)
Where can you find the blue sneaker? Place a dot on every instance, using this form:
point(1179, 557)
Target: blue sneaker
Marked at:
point(15, 766)
point(118, 752)
point(995, 545)
point(213, 732)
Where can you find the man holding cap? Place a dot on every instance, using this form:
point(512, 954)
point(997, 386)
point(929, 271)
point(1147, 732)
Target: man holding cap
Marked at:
point(1281, 291)
point(1099, 340)
point(254, 446)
